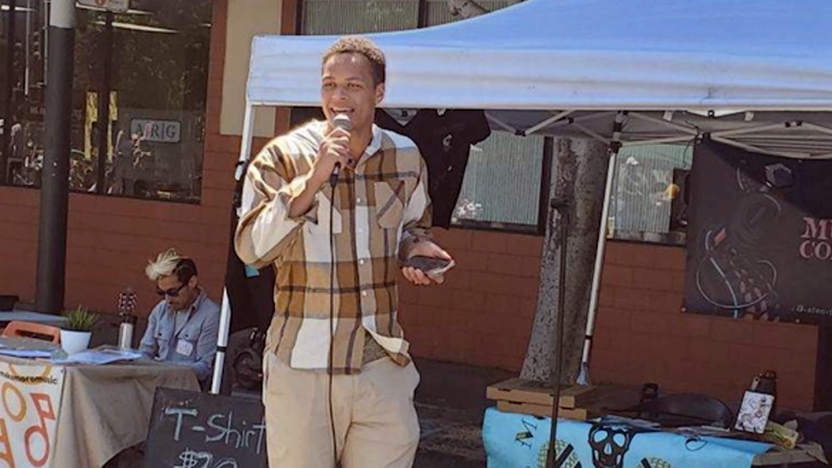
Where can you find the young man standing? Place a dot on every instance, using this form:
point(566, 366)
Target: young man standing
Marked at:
point(338, 379)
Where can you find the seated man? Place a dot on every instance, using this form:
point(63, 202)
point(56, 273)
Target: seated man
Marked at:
point(183, 326)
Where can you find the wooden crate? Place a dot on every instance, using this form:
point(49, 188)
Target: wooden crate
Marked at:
point(580, 414)
point(540, 393)
point(576, 402)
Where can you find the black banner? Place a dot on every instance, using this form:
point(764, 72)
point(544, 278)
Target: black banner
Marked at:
point(759, 241)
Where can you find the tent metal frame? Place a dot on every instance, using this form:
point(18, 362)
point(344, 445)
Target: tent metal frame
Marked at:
point(562, 118)
point(615, 143)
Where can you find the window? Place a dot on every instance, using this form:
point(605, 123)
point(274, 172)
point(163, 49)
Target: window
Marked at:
point(502, 184)
point(647, 199)
point(320, 17)
point(437, 11)
point(350, 16)
point(150, 65)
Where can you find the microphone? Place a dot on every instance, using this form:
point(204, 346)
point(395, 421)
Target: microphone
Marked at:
point(341, 121)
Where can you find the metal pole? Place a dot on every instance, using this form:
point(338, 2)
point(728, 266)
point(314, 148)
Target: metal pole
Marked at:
point(27, 48)
point(9, 95)
point(104, 105)
point(54, 193)
point(583, 375)
point(222, 342)
point(562, 207)
point(225, 308)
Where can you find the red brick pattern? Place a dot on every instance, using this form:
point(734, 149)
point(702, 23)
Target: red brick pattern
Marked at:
point(18, 240)
point(642, 335)
point(483, 316)
point(483, 313)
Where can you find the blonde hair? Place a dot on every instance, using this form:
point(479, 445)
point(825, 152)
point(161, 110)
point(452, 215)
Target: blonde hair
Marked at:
point(164, 265)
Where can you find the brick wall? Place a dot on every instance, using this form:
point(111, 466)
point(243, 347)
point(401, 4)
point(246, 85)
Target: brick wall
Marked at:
point(18, 240)
point(643, 336)
point(483, 313)
point(483, 316)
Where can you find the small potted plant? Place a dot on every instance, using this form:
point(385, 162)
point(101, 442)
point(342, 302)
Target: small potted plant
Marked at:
point(77, 331)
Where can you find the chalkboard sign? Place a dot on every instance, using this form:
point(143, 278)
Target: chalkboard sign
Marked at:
point(198, 430)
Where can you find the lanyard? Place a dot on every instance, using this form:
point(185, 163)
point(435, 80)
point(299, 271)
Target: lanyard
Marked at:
point(178, 330)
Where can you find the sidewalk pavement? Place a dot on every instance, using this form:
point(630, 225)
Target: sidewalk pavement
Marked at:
point(451, 403)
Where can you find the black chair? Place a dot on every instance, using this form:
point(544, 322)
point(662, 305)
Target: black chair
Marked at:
point(687, 409)
point(7, 302)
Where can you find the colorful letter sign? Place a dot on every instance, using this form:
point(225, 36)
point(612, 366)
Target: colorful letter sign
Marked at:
point(30, 396)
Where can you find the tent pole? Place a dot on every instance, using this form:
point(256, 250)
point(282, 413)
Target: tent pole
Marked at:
point(591, 133)
point(225, 308)
point(761, 128)
point(245, 145)
point(681, 128)
point(500, 123)
point(658, 141)
point(548, 121)
point(222, 342)
point(615, 145)
point(818, 128)
point(583, 118)
point(755, 149)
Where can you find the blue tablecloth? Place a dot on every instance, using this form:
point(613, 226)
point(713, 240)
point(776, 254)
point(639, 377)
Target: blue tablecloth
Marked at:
point(521, 441)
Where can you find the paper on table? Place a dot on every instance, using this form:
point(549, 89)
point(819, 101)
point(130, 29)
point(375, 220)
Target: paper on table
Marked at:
point(19, 342)
point(22, 347)
point(25, 353)
point(102, 355)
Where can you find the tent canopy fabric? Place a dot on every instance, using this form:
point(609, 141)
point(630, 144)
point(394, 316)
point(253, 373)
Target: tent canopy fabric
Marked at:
point(565, 62)
point(588, 54)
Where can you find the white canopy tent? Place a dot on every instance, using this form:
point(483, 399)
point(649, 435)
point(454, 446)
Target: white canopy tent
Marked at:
point(755, 75)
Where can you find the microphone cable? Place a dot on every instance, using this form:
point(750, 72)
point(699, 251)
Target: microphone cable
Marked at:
point(341, 121)
point(333, 181)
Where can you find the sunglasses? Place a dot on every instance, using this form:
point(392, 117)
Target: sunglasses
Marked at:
point(172, 292)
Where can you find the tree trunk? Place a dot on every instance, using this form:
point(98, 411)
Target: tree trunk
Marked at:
point(466, 8)
point(578, 175)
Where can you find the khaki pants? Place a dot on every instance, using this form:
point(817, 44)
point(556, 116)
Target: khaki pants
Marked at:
point(375, 422)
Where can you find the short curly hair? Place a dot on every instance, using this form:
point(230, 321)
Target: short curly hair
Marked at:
point(360, 45)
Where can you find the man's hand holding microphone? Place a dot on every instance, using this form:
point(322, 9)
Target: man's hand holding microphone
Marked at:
point(333, 154)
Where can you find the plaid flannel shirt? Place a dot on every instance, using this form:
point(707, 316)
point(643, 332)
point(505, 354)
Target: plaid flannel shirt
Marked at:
point(381, 208)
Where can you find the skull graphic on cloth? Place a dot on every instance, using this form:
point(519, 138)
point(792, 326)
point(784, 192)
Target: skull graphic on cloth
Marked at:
point(609, 444)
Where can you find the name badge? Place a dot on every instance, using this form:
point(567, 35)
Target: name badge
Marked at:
point(184, 348)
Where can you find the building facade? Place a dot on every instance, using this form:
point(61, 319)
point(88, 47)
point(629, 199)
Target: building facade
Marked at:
point(176, 87)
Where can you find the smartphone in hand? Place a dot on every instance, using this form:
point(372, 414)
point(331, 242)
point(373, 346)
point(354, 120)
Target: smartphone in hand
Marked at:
point(431, 266)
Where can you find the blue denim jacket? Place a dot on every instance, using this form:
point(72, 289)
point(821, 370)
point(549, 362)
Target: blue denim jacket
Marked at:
point(199, 336)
